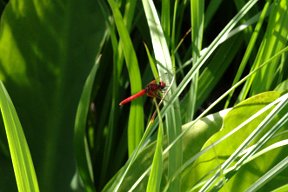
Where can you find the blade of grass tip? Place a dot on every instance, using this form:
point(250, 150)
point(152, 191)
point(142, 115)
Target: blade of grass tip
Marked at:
point(197, 23)
point(172, 38)
point(173, 119)
point(20, 154)
point(155, 177)
point(83, 159)
point(152, 64)
point(136, 116)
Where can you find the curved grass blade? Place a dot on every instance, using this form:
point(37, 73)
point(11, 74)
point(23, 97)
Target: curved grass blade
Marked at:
point(83, 161)
point(136, 117)
point(20, 154)
point(173, 119)
point(157, 164)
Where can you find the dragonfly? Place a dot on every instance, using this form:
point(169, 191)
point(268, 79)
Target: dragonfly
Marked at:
point(151, 90)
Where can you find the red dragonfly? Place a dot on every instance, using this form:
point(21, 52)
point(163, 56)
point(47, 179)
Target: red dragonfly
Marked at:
point(151, 90)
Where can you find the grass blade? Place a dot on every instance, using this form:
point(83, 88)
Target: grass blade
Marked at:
point(20, 154)
point(269, 175)
point(197, 24)
point(260, 127)
point(136, 118)
point(157, 163)
point(173, 120)
point(276, 37)
point(249, 49)
point(83, 161)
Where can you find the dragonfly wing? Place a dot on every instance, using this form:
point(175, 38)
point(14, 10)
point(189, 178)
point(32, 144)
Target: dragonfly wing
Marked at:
point(156, 94)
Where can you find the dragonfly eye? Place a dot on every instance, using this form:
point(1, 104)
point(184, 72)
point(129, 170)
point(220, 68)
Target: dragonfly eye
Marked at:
point(162, 84)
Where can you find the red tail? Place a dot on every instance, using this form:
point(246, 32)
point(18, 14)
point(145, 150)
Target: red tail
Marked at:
point(129, 99)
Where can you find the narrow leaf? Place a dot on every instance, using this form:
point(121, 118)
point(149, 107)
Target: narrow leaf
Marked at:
point(19, 150)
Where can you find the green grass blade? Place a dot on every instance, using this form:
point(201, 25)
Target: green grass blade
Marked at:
point(173, 120)
point(20, 154)
point(217, 101)
point(275, 39)
point(185, 81)
point(160, 45)
point(136, 118)
point(44, 72)
point(282, 103)
point(152, 63)
point(197, 24)
point(83, 159)
point(283, 188)
point(210, 11)
point(269, 175)
point(271, 132)
point(165, 18)
point(157, 163)
point(249, 49)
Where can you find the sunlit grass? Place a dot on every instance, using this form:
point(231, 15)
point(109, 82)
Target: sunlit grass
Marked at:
point(224, 111)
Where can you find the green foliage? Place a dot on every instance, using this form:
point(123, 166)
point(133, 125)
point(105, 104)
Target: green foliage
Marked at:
point(221, 126)
point(46, 53)
point(20, 154)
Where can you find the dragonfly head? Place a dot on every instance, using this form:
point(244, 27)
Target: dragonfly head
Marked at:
point(162, 84)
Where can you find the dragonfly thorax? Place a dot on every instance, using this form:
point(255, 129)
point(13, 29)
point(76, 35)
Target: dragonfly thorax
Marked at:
point(153, 86)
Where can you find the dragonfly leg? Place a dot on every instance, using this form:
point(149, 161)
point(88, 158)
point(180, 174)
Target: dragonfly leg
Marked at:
point(153, 94)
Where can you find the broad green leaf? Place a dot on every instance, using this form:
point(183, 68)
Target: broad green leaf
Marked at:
point(269, 175)
point(210, 160)
point(46, 53)
point(282, 86)
point(281, 189)
point(20, 154)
